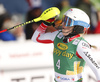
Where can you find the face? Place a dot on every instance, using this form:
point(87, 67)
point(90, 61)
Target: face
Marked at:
point(67, 25)
point(66, 29)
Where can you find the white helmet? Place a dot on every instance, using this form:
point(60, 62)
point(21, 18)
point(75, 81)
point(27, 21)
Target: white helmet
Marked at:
point(76, 16)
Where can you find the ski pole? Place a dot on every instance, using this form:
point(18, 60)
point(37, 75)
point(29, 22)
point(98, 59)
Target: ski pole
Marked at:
point(47, 14)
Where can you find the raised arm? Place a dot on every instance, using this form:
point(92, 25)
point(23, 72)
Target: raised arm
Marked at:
point(84, 51)
point(42, 37)
point(48, 17)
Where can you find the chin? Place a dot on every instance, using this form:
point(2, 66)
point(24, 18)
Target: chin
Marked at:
point(65, 34)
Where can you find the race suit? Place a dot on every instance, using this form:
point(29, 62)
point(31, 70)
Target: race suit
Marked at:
point(70, 57)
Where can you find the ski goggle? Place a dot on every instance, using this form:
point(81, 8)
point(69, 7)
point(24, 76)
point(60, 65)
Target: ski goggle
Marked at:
point(70, 22)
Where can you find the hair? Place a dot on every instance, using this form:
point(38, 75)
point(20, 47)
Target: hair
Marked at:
point(85, 32)
point(78, 29)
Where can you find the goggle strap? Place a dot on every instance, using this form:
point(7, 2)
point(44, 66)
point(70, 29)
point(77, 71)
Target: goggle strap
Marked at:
point(77, 22)
point(81, 23)
point(72, 22)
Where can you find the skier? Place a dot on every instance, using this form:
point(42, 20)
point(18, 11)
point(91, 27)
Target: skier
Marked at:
point(71, 50)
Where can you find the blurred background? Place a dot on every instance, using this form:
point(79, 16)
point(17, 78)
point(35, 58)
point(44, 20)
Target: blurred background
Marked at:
point(22, 60)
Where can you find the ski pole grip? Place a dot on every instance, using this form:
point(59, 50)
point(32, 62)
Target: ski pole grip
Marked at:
point(37, 19)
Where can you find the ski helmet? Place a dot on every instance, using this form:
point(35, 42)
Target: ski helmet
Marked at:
point(77, 18)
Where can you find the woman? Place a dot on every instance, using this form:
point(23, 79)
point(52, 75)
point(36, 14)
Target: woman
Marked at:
point(71, 51)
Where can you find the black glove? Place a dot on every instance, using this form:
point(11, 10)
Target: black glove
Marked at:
point(50, 22)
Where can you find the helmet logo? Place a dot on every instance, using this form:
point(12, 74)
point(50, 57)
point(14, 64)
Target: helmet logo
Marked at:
point(70, 10)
